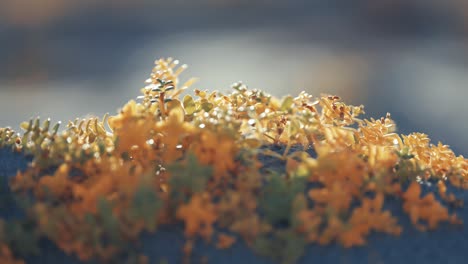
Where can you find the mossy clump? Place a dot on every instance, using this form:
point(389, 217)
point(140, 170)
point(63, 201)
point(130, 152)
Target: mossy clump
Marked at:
point(198, 160)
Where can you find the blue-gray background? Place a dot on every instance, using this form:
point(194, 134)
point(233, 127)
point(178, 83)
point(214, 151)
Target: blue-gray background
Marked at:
point(63, 59)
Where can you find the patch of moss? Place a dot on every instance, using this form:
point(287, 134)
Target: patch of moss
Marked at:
point(278, 173)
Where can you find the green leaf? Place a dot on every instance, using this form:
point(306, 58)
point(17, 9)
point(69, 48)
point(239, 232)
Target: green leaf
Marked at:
point(293, 128)
point(299, 204)
point(293, 246)
point(189, 105)
point(36, 124)
point(287, 103)
point(109, 221)
point(26, 125)
point(146, 205)
point(188, 177)
point(405, 154)
point(277, 198)
point(46, 125)
point(56, 127)
point(207, 106)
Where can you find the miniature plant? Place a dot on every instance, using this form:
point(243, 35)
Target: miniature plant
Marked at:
point(277, 174)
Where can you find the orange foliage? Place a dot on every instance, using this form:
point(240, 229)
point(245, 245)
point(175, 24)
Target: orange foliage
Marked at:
point(199, 216)
point(227, 134)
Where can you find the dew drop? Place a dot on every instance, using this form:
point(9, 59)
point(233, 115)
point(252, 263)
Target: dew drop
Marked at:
point(213, 121)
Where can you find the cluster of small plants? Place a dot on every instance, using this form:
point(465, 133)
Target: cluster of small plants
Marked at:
point(276, 174)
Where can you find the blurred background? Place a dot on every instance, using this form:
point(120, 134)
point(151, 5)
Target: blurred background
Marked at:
point(64, 59)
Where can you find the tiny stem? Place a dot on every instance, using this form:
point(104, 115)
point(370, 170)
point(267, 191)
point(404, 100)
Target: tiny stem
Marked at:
point(162, 107)
point(270, 137)
point(288, 147)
